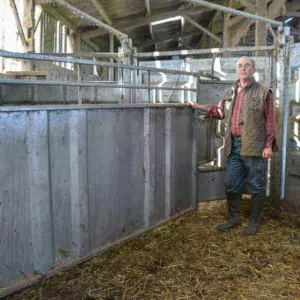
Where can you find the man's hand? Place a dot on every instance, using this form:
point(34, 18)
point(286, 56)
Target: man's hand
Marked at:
point(196, 106)
point(191, 104)
point(267, 153)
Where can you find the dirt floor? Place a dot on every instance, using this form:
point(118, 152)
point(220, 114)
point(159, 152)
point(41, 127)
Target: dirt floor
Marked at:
point(189, 259)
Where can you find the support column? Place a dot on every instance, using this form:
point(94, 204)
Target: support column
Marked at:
point(111, 50)
point(28, 23)
point(124, 76)
point(261, 28)
point(226, 41)
point(278, 167)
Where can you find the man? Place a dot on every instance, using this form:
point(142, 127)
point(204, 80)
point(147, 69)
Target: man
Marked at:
point(249, 113)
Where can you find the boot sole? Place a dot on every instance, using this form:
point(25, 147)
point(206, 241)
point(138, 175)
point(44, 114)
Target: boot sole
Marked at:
point(232, 227)
point(245, 233)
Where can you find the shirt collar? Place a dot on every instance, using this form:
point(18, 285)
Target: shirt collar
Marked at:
point(237, 84)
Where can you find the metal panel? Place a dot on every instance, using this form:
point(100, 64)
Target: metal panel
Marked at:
point(212, 185)
point(75, 179)
point(160, 165)
point(181, 159)
point(116, 173)
point(68, 155)
point(213, 93)
point(15, 226)
point(39, 188)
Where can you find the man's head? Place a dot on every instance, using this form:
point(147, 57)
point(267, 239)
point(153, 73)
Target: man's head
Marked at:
point(245, 68)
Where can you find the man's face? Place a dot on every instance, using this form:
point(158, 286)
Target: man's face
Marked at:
point(244, 68)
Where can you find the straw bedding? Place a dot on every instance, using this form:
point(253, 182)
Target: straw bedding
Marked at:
point(189, 259)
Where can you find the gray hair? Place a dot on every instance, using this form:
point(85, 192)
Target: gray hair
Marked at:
point(252, 61)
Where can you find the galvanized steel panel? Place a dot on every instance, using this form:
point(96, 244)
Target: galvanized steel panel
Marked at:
point(159, 211)
point(68, 163)
point(74, 180)
point(116, 173)
point(181, 159)
point(15, 207)
point(39, 191)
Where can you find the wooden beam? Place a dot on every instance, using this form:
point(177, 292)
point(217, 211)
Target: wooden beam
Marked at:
point(295, 14)
point(148, 14)
point(182, 26)
point(261, 29)
point(91, 44)
point(147, 4)
point(203, 29)
point(38, 21)
point(235, 20)
point(58, 16)
point(18, 22)
point(226, 42)
point(242, 30)
point(163, 39)
point(128, 23)
point(275, 7)
point(102, 11)
point(292, 6)
point(250, 6)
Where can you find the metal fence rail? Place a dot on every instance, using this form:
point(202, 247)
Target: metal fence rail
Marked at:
point(80, 84)
point(87, 84)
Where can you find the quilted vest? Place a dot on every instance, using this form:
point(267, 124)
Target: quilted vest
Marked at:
point(253, 121)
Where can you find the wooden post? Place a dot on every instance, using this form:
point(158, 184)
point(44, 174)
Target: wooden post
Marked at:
point(261, 28)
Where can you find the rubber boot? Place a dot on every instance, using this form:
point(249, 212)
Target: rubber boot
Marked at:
point(234, 202)
point(256, 209)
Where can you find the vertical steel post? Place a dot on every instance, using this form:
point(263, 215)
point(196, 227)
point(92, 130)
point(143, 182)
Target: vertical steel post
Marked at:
point(286, 84)
point(79, 79)
point(149, 90)
point(197, 88)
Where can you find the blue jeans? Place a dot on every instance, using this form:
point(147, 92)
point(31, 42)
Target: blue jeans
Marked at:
point(248, 169)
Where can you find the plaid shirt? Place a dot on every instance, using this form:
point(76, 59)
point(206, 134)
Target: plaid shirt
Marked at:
point(217, 111)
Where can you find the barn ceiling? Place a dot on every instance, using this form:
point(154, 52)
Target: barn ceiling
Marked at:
point(145, 21)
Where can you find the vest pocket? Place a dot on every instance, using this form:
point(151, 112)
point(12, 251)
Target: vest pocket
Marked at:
point(254, 103)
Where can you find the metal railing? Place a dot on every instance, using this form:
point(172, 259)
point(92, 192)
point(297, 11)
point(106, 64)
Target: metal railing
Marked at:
point(80, 84)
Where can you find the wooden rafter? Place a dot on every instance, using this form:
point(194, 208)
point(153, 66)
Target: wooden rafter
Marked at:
point(235, 20)
point(126, 24)
point(251, 6)
point(164, 39)
point(275, 7)
point(295, 14)
point(187, 18)
point(58, 16)
point(261, 29)
point(91, 44)
point(102, 11)
point(292, 6)
point(242, 30)
point(148, 14)
point(18, 22)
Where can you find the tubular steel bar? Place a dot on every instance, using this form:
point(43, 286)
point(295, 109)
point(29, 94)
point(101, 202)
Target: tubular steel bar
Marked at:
point(204, 51)
point(235, 12)
point(86, 84)
point(92, 62)
point(276, 40)
point(91, 19)
point(286, 84)
point(83, 54)
point(149, 91)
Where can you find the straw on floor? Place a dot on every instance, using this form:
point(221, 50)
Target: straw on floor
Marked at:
point(189, 259)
